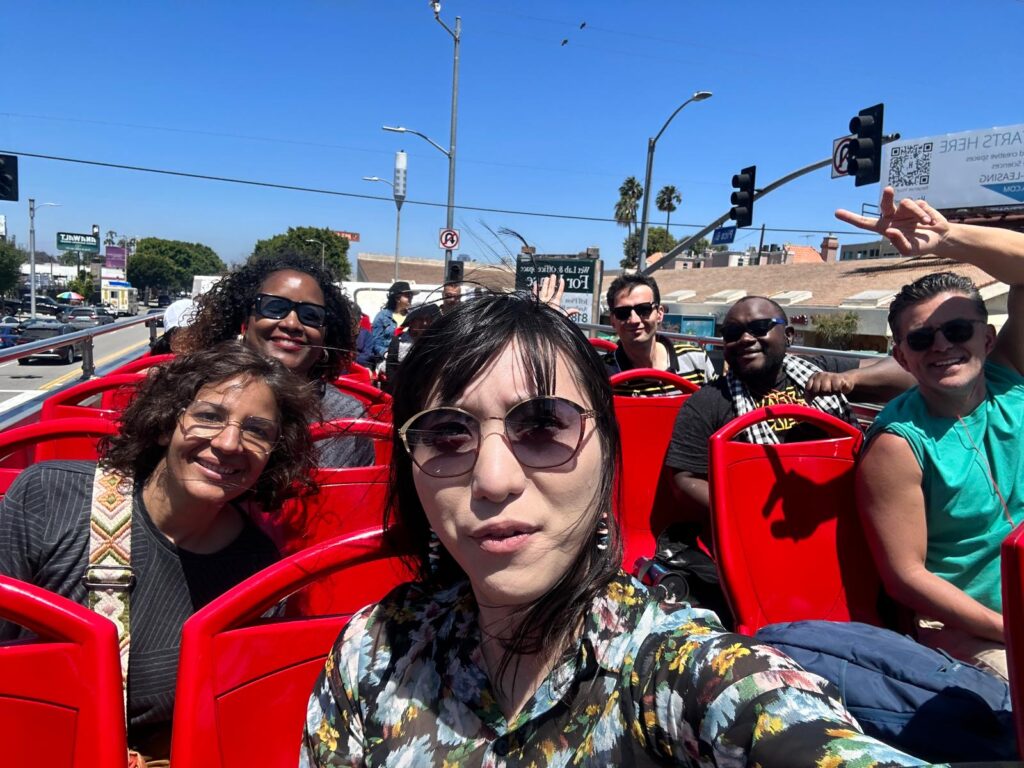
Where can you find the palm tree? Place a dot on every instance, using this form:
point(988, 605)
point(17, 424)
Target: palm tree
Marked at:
point(667, 202)
point(630, 194)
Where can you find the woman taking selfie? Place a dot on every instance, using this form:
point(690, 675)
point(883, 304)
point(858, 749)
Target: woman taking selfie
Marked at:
point(522, 642)
point(288, 308)
point(204, 433)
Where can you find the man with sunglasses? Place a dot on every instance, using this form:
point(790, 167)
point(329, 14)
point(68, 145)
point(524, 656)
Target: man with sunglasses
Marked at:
point(760, 372)
point(940, 484)
point(635, 305)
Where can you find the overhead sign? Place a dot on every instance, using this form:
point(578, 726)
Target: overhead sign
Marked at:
point(448, 239)
point(116, 257)
point(582, 281)
point(352, 237)
point(69, 241)
point(723, 236)
point(840, 156)
point(971, 169)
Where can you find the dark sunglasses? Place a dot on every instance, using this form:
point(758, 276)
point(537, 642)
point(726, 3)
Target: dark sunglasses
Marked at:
point(956, 331)
point(278, 308)
point(543, 432)
point(643, 311)
point(732, 332)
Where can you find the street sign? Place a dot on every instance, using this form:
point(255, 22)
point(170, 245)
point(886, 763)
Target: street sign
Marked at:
point(448, 239)
point(352, 237)
point(582, 278)
point(69, 241)
point(840, 154)
point(723, 235)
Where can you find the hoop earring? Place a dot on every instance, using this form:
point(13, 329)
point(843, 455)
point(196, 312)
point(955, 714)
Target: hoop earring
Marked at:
point(602, 535)
point(433, 553)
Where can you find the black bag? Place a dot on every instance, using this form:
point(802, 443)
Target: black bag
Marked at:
point(914, 698)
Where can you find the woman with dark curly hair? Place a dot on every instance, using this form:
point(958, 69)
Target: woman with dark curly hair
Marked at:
point(205, 432)
point(288, 308)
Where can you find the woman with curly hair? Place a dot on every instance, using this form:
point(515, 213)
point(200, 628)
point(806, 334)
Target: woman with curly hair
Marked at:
point(288, 308)
point(206, 432)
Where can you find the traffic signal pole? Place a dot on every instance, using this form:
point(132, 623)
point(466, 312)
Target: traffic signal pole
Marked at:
point(758, 194)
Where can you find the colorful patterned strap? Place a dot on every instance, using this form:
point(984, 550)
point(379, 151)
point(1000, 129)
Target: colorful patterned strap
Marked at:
point(109, 576)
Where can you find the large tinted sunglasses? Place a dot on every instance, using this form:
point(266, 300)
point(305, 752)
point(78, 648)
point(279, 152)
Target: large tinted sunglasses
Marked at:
point(643, 311)
point(543, 432)
point(278, 308)
point(732, 332)
point(956, 331)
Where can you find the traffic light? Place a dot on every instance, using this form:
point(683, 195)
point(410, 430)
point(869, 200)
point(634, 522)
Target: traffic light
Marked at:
point(455, 272)
point(865, 153)
point(743, 198)
point(9, 178)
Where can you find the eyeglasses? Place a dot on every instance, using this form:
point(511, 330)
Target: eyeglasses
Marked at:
point(956, 331)
point(732, 332)
point(206, 420)
point(643, 311)
point(543, 432)
point(278, 308)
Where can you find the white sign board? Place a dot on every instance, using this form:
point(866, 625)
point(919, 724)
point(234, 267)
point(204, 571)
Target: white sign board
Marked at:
point(840, 156)
point(972, 169)
point(582, 281)
point(448, 239)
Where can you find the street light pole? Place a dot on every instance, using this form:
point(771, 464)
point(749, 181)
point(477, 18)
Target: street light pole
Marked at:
point(398, 190)
point(321, 244)
point(642, 263)
point(457, 38)
point(32, 253)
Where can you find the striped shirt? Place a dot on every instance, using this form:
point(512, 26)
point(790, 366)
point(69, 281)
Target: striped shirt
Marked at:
point(685, 359)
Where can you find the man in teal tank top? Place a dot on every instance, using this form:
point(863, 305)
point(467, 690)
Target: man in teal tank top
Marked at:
point(941, 483)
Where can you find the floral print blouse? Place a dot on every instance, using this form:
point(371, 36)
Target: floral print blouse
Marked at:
point(648, 684)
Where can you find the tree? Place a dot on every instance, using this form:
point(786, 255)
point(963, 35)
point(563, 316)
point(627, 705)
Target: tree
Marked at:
point(667, 201)
point(191, 258)
point(630, 194)
point(11, 258)
point(658, 241)
point(156, 271)
point(82, 284)
point(836, 331)
point(335, 248)
point(700, 246)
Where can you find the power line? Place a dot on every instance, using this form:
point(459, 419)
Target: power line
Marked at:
point(360, 196)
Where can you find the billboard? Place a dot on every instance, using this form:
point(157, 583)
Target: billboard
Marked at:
point(582, 281)
point(971, 169)
point(115, 257)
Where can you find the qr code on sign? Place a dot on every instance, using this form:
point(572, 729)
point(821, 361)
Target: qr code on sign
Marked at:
point(910, 165)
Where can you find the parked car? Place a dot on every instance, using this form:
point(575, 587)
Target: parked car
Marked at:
point(87, 317)
point(8, 331)
point(44, 306)
point(163, 300)
point(45, 328)
point(159, 322)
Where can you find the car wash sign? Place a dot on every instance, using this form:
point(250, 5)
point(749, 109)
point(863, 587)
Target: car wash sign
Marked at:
point(582, 281)
point(972, 169)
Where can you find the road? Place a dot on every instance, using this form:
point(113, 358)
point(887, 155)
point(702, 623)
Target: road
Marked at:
point(19, 383)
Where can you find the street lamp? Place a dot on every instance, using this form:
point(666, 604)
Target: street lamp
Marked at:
point(398, 190)
point(456, 35)
point(320, 243)
point(698, 96)
point(32, 253)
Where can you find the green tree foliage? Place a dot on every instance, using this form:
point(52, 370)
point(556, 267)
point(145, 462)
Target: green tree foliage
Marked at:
point(82, 284)
point(191, 258)
point(658, 241)
point(836, 331)
point(156, 271)
point(335, 248)
point(11, 259)
point(630, 194)
point(700, 246)
point(668, 200)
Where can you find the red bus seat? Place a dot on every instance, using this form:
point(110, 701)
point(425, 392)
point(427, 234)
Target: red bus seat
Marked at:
point(142, 363)
point(376, 402)
point(788, 541)
point(60, 695)
point(645, 429)
point(358, 373)
point(602, 345)
point(117, 391)
point(1012, 567)
point(44, 440)
point(243, 682)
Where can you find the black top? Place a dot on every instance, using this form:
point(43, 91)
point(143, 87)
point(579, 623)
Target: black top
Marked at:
point(711, 408)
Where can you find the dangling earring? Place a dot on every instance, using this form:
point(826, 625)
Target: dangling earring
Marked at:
point(325, 356)
point(601, 534)
point(433, 552)
point(241, 335)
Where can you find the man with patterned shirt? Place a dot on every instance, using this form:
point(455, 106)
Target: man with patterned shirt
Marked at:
point(634, 302)
point(756, 334)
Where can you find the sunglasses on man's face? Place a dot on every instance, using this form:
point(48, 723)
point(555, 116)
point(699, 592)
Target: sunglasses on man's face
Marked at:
point(278, 308)
point(643, 311)
point(956, 331)
point(543, 432)
point(732, 332)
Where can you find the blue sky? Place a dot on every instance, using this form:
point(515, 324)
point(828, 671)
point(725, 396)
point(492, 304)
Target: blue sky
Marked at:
point(296, 92)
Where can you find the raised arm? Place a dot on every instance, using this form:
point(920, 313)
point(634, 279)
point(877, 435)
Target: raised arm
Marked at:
point(892, 510)
point(872, 381)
